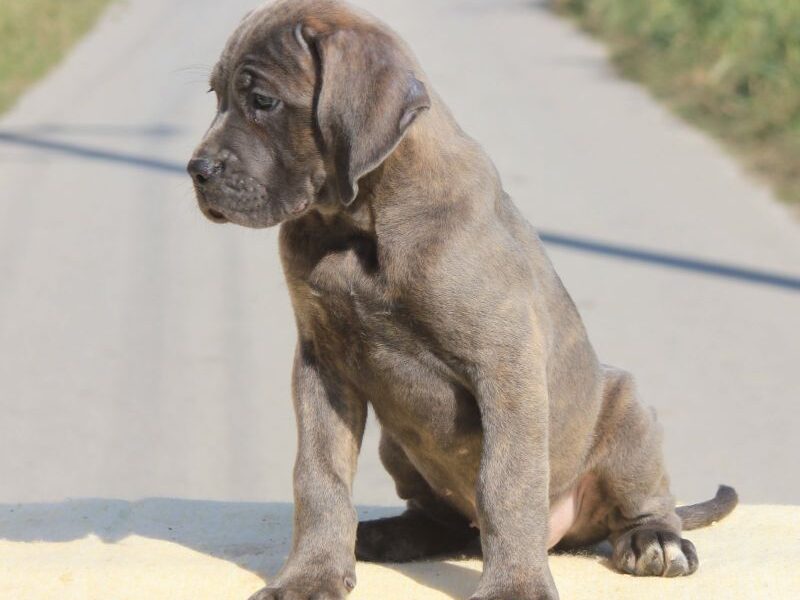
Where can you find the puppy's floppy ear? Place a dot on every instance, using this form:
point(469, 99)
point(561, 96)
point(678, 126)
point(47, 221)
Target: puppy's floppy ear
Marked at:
point(367, 98)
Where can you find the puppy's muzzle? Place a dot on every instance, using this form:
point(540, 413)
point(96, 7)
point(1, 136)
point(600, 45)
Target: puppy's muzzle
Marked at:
point(204, 171)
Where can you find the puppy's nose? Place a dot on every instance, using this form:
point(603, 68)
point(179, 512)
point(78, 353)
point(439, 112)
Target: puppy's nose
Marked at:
point(203, 170)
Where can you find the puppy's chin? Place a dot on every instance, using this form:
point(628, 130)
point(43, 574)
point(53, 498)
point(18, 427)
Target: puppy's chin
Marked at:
point(262, 217)
point(214, 215)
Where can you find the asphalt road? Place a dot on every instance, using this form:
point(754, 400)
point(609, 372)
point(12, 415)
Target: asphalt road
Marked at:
point(146, 352)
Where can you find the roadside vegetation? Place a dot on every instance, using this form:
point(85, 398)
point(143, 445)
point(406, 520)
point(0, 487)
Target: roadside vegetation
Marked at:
point(34, 35)
point(730, 66)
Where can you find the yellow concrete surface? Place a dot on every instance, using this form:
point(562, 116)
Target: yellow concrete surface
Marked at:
point(182, 550)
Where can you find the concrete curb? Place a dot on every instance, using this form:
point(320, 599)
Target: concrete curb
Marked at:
point(183, 549)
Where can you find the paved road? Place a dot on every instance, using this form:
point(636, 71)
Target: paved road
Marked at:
point(146, 352)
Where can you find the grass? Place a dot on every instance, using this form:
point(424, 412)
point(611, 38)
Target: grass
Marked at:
point(34, 35)
point(730, 66)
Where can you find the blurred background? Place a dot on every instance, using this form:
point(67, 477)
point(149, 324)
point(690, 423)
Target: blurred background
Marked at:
point(145, 352)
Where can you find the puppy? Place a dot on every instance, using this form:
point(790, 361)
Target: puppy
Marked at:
point(419, 289)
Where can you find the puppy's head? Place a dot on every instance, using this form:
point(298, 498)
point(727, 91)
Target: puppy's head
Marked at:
point(310, 97)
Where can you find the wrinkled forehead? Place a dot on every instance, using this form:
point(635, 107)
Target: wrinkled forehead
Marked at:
point(266, 42)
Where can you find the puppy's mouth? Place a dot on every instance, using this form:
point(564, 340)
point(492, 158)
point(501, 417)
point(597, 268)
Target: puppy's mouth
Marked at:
point(257, 218)
point(215, 216)
point(267, 214)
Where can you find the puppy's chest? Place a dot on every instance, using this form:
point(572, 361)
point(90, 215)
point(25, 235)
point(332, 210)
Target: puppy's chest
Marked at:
point(373, 341)
point(348, 301)
point(356, 323)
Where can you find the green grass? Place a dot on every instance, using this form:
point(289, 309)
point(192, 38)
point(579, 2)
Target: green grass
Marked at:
point(34, 35)
point(730, 66)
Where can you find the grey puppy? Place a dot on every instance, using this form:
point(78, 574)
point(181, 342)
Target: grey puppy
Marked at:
point(419, 289)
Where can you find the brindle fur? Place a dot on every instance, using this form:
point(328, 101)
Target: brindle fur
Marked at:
point(420, 290)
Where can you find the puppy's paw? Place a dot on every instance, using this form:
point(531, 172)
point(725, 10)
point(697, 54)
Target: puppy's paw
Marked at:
point(410, 536)
point(517, 595)
point(650, 551)
point(377, 541)
point(308, 588)
point(537, 589)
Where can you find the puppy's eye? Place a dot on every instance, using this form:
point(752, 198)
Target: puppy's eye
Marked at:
point(265, 103)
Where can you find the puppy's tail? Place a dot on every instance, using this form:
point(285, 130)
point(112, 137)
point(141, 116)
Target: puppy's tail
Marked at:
point(705, 513)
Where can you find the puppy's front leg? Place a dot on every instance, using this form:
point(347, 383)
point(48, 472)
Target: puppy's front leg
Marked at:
point(330, 427)
point(513, 481)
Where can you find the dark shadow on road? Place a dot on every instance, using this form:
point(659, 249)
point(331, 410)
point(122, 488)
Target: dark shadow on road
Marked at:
point(672, 261)
point(542, 5)
point(641, 255)
point(155, 130)
point(90, 153)
point(254, 536)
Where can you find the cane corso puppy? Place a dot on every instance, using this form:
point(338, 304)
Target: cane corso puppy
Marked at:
point(420, 290)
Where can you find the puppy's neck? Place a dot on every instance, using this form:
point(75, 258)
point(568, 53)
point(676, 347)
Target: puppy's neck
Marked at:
point(435, 170)
point(436, 164)
point(359, 216)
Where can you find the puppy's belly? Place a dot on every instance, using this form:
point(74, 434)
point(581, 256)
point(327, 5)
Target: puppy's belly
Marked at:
point(562, 516)
point(575, 516)
point(437, 423)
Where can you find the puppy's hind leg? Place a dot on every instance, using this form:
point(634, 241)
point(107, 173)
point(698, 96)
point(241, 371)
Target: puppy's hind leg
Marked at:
point(428, 528)
point(413, 535)
point(645, 531)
